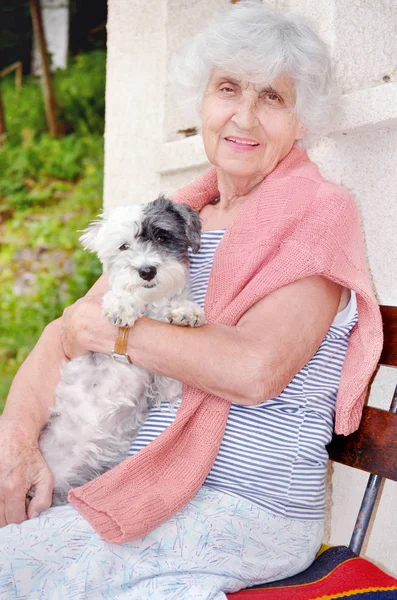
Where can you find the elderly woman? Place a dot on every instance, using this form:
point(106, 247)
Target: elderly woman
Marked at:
point(230, 491)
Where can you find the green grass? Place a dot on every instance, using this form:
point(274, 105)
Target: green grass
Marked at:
point(49, 190)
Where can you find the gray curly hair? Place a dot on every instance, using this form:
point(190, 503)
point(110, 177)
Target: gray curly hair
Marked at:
point(258, 42)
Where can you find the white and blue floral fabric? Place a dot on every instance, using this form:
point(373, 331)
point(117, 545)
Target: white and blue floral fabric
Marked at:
point(218, 543)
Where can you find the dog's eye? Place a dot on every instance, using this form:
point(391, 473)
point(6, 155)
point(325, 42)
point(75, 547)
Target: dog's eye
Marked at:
point(124, 247)
point(161, 236)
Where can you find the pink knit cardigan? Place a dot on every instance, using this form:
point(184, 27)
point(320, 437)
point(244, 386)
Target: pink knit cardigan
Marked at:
point(293, 225)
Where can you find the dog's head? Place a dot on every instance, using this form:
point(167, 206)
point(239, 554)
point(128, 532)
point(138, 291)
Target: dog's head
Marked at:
point(145, 246)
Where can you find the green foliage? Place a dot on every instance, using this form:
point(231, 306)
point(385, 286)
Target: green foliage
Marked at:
point(23, 108)
point(80, 92)
point(43, 267)
point(50, 189)
point(27, 169)
point(80, 97)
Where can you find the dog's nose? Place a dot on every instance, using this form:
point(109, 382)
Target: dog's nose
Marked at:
point(147, 273)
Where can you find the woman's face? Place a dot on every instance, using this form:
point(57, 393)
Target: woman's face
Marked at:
point(248, 128)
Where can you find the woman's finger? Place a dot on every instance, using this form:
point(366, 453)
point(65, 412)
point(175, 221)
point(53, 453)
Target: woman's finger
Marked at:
point(42, 498)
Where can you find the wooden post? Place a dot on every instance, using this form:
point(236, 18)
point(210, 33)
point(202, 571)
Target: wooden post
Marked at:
point(2, 122)
point(49, 98)
point(18, 76)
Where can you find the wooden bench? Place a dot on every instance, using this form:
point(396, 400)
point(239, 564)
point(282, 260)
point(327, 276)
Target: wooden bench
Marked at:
point(339, 572)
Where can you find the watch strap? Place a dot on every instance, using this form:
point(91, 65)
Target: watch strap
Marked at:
point(120, 346)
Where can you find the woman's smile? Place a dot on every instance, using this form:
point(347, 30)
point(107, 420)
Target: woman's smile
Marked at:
point(239, 144)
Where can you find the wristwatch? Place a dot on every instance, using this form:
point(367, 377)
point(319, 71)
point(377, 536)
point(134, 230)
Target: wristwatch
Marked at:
point(120, 347)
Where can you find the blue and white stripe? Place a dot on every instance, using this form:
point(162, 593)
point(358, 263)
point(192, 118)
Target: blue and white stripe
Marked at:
point(273, 454)
point(201, 264)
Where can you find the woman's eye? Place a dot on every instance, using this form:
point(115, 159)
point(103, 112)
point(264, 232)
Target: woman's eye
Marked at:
point(124, 247)
point(272, 97)
point(227, 89)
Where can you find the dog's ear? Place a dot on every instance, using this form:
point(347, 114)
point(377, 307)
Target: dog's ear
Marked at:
point(90, 235)
point(192, 225)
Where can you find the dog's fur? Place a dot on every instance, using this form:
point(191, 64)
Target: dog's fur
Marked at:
point(100, 402)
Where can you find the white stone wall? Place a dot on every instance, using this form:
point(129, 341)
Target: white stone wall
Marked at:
point(56, 28)
point(145, 155)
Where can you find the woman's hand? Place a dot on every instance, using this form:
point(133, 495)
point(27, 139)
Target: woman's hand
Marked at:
point(84, 329)
point(21, 467)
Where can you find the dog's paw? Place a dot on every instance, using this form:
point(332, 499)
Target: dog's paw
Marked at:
point(119, 310)
point(186, 314)
point(165, 388)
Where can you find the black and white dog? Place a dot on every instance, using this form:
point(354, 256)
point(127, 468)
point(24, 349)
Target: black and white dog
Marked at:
point(100, 402)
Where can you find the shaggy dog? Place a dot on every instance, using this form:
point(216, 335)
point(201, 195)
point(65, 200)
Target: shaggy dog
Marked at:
point(101, 402)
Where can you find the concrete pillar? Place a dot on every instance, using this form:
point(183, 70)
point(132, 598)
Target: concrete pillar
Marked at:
point(136, 76)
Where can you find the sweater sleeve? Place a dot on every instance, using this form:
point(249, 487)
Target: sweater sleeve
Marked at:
point(340, 253)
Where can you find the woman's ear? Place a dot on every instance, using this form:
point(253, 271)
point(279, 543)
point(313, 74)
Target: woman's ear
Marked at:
point(301, 131)
point(90, 235)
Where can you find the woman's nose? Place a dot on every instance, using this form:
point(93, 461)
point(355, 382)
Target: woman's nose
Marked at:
point(246, 114)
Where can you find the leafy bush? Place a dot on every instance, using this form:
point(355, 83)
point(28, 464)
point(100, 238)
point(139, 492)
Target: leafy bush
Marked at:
point(23, 108)
point(27, 169)
point(80, 96)
point(80, 92)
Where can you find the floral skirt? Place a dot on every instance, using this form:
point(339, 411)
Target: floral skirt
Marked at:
point(218, 543)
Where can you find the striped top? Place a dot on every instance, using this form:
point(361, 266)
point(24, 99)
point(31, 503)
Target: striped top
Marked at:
point(274, 453)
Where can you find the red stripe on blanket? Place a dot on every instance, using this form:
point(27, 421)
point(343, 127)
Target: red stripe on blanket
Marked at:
point(352, 576)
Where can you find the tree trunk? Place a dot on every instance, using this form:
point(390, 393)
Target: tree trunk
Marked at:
point(49, 98)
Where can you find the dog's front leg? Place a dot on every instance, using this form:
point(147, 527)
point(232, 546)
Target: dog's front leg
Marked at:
point(121, 309)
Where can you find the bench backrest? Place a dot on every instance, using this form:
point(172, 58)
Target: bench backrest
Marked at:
point(373, 447)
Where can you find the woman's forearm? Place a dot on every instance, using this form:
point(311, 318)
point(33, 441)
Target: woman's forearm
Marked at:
point(214, 358)
point(32, 392)
point(247, 363)
point(252, 361)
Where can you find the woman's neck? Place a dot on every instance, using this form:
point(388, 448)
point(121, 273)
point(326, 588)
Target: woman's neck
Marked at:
point(232, 190)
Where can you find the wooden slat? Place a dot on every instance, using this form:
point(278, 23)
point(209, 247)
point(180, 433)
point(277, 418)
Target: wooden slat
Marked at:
point(389, 352)
point(17, 67)
point(373, 447)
